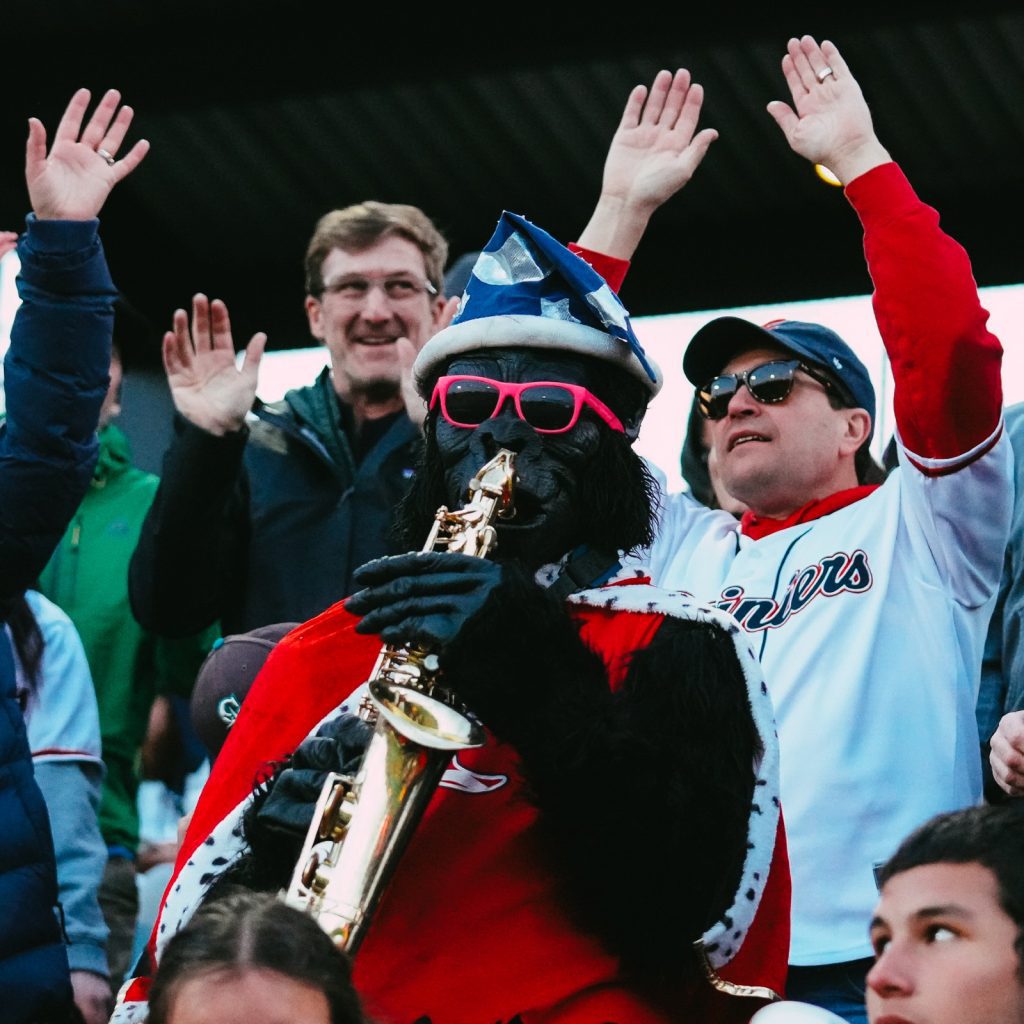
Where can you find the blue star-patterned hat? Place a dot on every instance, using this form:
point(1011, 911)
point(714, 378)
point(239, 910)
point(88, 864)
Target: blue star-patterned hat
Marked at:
point(529, 291)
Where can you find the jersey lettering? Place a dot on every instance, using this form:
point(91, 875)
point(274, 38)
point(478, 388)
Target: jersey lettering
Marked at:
point(836, 574)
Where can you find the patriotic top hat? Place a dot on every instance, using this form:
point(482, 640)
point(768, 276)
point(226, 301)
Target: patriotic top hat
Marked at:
point(527, 290)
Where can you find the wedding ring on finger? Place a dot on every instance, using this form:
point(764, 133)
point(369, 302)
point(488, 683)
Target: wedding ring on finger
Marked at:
point(824, 73)
point(100, 151)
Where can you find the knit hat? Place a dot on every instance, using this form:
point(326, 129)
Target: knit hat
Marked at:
point(529, 291)
point(225, 677)
point(718, 341)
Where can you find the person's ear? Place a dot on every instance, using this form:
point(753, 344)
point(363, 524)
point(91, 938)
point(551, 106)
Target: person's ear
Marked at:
point(442, 311)
point(314, 310)
point(857, 429)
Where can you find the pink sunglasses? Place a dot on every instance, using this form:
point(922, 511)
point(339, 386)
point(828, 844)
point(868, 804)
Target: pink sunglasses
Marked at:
point(549, 406)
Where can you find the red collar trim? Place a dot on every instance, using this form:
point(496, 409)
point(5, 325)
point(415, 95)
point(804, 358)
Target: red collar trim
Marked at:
point(755, 526)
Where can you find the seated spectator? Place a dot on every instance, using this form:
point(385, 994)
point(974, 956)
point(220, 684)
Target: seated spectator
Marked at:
point(948, 932)
point(250, 959)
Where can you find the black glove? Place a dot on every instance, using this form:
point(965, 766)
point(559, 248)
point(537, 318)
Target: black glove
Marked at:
point(337, 746)
point(426, 598)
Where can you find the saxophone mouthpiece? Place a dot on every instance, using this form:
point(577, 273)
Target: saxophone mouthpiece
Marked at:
point(498, 478)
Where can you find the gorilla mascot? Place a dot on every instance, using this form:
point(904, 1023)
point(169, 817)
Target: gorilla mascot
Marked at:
point(614, 851)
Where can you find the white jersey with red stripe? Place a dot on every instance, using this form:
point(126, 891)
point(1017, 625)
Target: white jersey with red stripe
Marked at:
point(869, 609)
point(869, 623)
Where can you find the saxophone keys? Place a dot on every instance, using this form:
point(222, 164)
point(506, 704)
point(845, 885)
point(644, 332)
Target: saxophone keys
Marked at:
point(367, 711)
point(335, 818)
point(309, 872)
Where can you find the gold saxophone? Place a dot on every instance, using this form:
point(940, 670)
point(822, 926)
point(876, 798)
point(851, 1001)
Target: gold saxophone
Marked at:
point(348, 857)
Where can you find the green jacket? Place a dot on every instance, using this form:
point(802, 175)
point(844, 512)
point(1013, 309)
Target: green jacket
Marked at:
point(88, 577)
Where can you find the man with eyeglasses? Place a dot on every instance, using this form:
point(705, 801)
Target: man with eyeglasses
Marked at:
point(867, 603)
point(265, 510)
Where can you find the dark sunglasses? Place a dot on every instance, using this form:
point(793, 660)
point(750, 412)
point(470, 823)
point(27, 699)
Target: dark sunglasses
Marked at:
point(769, 383)
point(550, 407)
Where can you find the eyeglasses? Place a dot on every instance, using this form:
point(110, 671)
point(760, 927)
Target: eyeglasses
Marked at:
point(769, 383)
point(550, 407)
point(398, 289)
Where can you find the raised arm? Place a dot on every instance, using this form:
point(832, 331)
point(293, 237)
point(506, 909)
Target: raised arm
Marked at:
point(945, 362)
point(55, 372)
point(653, 154)
point(189, 564)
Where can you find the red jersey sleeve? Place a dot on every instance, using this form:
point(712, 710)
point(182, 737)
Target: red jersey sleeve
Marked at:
point(611, 268)
point(945, 361)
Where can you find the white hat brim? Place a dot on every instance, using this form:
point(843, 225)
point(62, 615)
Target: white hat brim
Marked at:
point(524, 331)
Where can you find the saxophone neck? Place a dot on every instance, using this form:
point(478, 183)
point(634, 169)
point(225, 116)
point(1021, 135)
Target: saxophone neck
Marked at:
point(490, 496)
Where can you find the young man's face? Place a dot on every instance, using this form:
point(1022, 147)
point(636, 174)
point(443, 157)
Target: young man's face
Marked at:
point(944, 950)
point(370, 300)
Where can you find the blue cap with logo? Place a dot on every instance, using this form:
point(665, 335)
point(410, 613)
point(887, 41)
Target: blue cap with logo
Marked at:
point(720, 340)
point(527, 290)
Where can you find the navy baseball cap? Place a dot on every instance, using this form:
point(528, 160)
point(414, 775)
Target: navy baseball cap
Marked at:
point(225, 677)
point(719, 340)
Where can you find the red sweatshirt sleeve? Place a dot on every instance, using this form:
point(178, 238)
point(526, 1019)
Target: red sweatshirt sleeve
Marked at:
point(945, 362)
point(611, 268)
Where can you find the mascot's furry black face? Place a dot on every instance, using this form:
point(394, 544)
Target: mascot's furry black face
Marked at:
point(583, 486)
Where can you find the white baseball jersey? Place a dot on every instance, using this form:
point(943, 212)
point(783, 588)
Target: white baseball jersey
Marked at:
point(869, 623)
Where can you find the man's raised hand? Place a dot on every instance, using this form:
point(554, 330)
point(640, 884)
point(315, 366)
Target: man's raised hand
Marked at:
point(653, 154)
point(73, 180)
point(208, 389)
point(655, 150)
point(829, 122)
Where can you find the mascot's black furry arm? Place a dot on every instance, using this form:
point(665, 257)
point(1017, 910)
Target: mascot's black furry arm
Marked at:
point(645, 791)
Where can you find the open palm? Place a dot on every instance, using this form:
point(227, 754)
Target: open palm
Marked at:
point(207, 387)
point(73, 180)
point(655, 150)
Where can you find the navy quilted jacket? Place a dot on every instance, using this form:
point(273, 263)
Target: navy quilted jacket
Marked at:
point(55, 377)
